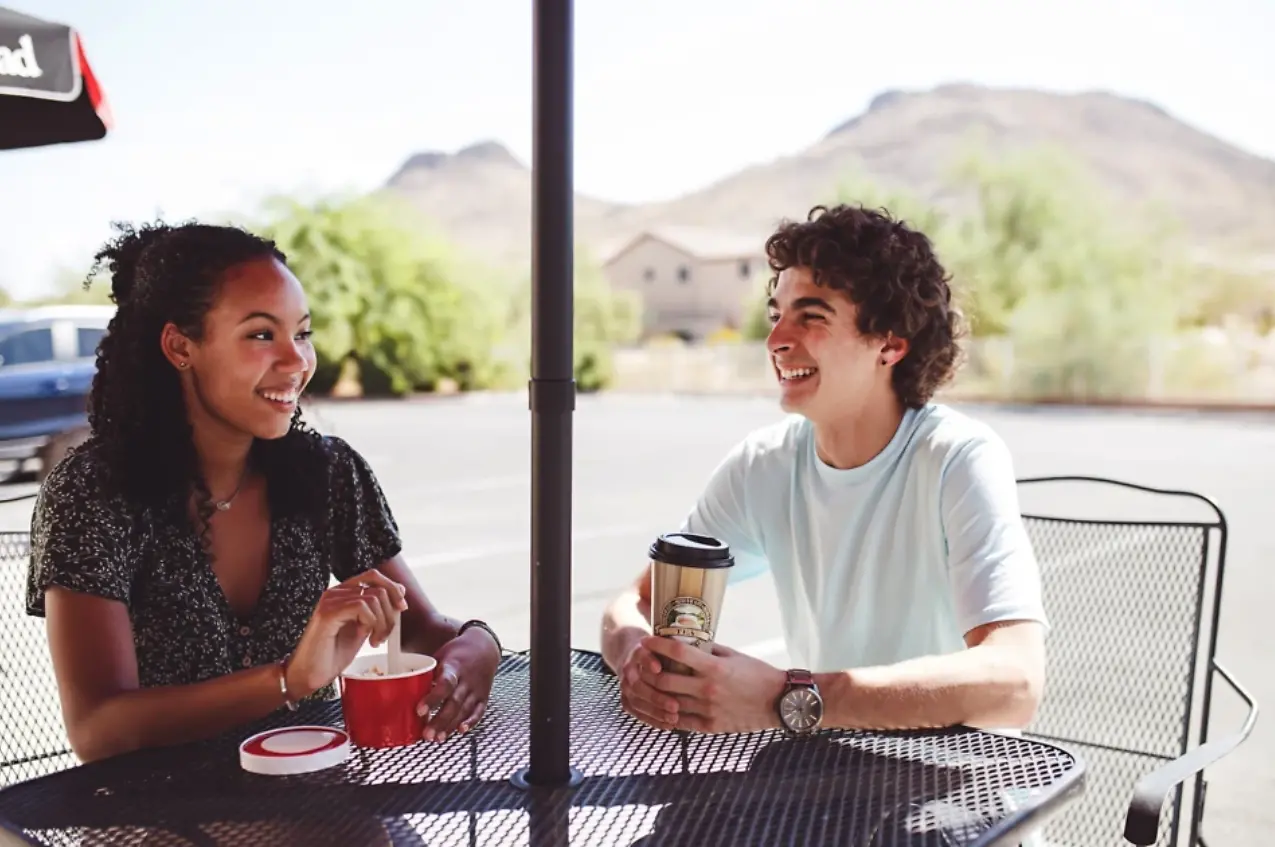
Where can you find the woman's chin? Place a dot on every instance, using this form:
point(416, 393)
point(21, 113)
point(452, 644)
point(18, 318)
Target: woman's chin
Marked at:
point(271, 430)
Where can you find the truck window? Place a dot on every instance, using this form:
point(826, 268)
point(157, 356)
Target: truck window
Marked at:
point(86, 340)
point(27, 348)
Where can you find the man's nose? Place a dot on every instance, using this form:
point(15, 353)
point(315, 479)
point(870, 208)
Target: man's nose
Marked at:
point(779, 340)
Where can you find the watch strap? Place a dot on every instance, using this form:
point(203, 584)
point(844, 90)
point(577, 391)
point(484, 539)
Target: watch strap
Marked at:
point(800, 676)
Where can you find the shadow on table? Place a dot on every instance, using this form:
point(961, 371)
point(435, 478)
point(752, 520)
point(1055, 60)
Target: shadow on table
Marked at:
point(822, 790)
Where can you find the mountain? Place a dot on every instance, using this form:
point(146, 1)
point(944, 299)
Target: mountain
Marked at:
point(481, 196)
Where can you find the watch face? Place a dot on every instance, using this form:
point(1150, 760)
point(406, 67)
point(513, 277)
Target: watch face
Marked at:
point(801, 710)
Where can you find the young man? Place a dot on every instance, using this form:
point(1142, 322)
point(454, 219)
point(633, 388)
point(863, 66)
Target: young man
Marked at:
point(908, 590)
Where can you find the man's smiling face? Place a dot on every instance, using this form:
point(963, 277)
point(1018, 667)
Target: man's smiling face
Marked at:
point(826, 368)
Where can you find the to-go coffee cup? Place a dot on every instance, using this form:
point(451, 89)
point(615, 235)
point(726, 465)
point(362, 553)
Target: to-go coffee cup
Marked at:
point(689, 572)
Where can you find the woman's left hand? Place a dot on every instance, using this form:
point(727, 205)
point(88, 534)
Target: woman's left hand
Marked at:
point(462, 683)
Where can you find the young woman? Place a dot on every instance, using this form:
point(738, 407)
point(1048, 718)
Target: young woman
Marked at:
point(182, 556)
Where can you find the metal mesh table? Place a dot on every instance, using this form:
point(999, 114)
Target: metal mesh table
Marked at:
point(640, 787)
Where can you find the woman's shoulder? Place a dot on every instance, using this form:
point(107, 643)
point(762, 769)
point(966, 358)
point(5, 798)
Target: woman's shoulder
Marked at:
point(79, 495)
point(82, 478)
point(344, 461)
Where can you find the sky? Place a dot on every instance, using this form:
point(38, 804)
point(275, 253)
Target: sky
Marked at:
point(219, 105)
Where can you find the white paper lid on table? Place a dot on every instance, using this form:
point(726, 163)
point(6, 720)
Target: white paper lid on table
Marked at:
point(294, 749)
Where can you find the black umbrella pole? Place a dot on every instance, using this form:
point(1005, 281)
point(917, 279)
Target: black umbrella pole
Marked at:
point(552, 396)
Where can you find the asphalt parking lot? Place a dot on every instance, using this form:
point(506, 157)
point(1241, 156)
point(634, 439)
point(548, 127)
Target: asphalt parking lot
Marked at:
point(458, 472)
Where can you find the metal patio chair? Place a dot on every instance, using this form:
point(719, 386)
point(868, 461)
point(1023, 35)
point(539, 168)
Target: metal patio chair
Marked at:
point(1134, 608)
point(33, 740)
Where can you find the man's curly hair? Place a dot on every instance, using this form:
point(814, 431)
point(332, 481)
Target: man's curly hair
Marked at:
point(159, 274)
point(890, 273)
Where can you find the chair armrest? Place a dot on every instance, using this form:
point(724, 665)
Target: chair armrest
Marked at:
point(1143, 819)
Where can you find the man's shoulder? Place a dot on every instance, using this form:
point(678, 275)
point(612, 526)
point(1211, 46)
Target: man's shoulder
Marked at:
point(774, 443)
point(956, 449)
point(944, 434)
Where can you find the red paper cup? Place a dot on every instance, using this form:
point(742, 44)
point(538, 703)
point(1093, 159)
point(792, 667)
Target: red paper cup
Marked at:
point(380, 708)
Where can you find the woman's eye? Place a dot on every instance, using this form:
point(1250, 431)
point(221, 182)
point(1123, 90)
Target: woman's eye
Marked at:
point(305, 335)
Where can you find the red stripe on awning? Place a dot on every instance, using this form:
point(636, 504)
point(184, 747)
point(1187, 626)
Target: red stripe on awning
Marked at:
point(96, 95)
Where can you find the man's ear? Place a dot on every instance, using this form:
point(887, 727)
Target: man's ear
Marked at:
point(177, 347)
point(893, 349)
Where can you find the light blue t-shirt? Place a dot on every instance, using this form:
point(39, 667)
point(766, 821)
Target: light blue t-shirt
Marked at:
point(892, 560)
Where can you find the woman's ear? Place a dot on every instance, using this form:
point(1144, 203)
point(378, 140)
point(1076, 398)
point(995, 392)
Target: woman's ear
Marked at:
point(177, 347)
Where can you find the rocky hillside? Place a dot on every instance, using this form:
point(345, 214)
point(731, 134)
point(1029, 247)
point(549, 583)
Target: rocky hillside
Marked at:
point(481, 196)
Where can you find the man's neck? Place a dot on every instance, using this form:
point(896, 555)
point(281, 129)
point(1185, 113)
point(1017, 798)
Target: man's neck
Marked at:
point(855, 439)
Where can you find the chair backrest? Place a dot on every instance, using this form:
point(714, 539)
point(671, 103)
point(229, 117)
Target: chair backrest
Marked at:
point(32, 736)
point(1133, 603)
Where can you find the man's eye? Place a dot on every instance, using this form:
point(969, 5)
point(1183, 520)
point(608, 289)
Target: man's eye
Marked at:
point(772, 317)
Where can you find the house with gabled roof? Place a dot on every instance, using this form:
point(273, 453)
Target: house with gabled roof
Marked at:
point(693, 281)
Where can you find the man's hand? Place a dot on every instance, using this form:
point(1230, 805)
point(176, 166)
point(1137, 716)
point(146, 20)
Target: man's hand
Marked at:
point(728, 691)
point(638, 697)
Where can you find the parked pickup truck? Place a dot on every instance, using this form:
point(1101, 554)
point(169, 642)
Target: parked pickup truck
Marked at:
point(47, 361)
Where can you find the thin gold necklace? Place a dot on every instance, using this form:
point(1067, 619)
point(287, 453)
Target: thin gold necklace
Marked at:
point(223, 505)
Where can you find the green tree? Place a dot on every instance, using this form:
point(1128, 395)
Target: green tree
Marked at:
point(756, 316)
point(403, 305)
point(604, 317)
point(1223, 294)
point(1081, 290)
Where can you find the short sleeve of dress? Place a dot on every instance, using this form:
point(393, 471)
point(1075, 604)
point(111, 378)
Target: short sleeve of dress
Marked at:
point(80, 536)
point(364, 533)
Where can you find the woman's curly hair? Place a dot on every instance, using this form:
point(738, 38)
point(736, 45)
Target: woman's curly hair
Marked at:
point(159, 274)
point(890, 273)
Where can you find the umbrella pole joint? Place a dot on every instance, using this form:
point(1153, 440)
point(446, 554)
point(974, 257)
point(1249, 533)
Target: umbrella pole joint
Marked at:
point(551, 396)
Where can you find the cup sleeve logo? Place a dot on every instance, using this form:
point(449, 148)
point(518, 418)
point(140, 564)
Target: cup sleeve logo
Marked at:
point(687, 619)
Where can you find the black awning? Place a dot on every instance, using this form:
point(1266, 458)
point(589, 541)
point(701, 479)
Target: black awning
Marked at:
point(48, 92)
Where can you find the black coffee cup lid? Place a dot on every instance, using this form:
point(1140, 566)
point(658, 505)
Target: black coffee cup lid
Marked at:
point(691, 549)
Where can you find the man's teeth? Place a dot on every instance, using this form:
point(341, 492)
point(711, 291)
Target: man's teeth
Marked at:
point(796, 373)
point(280, 397)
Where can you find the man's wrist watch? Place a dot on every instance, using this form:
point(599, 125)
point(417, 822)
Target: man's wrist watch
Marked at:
point(485, 628)
point(800, 706)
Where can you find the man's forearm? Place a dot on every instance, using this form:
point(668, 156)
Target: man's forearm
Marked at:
point(990, 686)
point(623, 623)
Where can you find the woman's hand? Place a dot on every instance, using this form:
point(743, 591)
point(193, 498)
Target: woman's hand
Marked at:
point(466, 667)
point(361, 608)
